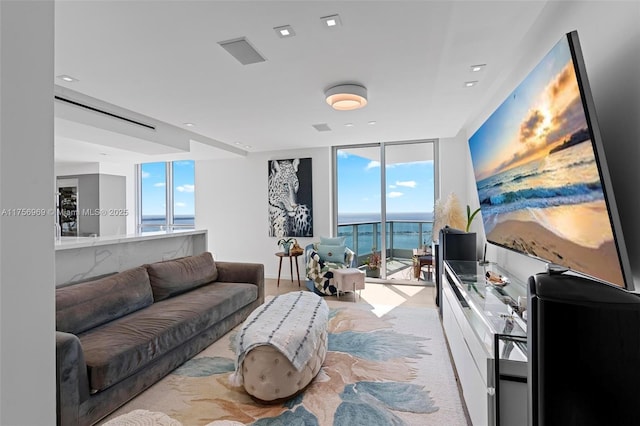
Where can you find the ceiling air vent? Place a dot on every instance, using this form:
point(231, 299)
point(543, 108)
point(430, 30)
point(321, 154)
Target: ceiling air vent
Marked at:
point(101, 111)
point(242, 50)
point(322, 127)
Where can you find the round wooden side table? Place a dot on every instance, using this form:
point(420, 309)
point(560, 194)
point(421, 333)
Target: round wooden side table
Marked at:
point(291, 257)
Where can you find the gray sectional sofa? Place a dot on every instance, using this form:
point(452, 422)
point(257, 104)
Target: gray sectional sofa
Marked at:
point(118, 335)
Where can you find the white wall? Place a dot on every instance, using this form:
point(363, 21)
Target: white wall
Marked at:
point(232, 203)
point(610, 39)
point(27, 321)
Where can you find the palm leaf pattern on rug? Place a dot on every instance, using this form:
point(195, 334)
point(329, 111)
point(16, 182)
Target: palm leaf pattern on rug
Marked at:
point(377, 371)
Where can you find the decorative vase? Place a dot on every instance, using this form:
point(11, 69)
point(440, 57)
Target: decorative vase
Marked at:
point(286, 247)
point(373, 273)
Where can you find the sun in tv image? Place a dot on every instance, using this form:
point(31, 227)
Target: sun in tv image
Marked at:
point(537, 175)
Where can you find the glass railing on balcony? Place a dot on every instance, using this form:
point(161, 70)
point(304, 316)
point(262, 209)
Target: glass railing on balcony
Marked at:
point(402, 237)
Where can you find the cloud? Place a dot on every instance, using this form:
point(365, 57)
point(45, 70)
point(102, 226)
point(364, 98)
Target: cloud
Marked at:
point(531, 126)
point(145, 175)
point(394, 194)
point(186, 188)
point(159, 184)
point(180, 204)
point(372, 165)
point(184, 163)
point(407, 183)
point(392, 186)
point(343, 154)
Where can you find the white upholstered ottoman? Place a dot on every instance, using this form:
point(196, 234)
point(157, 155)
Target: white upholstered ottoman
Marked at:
point(281, 346)
point(348, 279)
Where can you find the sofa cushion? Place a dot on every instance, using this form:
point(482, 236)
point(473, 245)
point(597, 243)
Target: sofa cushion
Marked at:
point(83, 306)
point(117, 350)
point(171, 277)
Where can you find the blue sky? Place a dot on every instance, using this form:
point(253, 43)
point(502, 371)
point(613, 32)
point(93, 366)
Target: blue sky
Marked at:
point(409, 185)
point(540, 113)
point(154, 184)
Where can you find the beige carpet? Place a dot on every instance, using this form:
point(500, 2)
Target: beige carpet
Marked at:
point(386, 364)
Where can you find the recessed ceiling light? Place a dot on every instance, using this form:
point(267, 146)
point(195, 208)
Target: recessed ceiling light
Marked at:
point(67, 78)
point(477, 68)
point(285, 31)
point(189, 124)
point(238, 143)
point(348, 125)
point(332, 21)
point(371, 123)
point(247, 146)
point(470, 83)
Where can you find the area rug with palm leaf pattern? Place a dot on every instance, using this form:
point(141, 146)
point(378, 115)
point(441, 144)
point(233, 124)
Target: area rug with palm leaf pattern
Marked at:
point(380, 369)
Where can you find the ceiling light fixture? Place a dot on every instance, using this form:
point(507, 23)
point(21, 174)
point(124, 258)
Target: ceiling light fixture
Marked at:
point(67, 78)
point(348, 125)
point(332, 21)
point(345, 97)
point(372, 123)
point(477, 68)
point(470, 83)
point(189, 124)
point(285, 31)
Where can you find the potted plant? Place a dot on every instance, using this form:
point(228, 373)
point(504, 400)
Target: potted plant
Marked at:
point(373, 264)
point(286, 244)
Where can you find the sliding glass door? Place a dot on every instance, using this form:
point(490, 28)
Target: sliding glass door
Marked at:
point(384, 202)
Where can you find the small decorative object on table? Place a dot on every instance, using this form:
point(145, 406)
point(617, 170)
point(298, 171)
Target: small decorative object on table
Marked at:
point(496, 279)
point(296, 249)
point(286, 244)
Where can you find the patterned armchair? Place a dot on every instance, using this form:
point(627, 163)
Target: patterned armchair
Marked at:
point(319, 271)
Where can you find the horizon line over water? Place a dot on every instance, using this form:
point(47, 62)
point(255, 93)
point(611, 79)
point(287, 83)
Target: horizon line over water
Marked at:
point(349, 218)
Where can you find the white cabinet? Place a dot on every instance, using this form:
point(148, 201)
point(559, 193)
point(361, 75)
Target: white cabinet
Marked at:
point(473, 314)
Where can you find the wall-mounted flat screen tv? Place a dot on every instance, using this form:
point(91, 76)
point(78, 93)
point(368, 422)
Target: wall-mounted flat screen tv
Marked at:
point(541, 175)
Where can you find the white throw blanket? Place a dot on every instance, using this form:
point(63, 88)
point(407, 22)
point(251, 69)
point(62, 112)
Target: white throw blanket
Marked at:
point(292, 323)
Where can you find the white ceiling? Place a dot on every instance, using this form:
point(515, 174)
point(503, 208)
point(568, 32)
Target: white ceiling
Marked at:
point(161, 59)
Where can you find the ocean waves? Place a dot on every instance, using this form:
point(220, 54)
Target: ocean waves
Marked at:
point(541, 197)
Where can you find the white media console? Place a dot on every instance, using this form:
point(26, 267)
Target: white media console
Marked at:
point(487, 340)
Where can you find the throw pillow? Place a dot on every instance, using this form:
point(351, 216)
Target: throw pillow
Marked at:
point(331, 253)
point(335, 241)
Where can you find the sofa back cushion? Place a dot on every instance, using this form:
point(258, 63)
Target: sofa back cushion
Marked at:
point(171, 277)
point(83, 306)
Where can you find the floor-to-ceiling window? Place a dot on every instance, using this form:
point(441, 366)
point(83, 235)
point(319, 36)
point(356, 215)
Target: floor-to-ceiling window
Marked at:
point(391, 184)
point(166, 195)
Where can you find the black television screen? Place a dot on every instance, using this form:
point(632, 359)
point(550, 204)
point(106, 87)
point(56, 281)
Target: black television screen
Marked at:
point(541, 175)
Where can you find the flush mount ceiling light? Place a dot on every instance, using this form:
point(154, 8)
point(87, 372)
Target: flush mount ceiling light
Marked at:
point(470, 83)
point(477, 68)
point(345, 97)
point(332, 21)
point(285, 31)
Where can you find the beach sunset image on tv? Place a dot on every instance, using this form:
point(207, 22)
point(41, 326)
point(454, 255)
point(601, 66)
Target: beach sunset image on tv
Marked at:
point(537, 175)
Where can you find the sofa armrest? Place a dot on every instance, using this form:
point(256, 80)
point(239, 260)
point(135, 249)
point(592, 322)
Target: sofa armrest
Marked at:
point(72, 383)
point(242, 272)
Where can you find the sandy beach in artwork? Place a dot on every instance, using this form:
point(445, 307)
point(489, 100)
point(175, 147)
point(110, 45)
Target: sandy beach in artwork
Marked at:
point(597, 257)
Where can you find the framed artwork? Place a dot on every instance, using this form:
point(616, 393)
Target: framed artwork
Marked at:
point(290, 198)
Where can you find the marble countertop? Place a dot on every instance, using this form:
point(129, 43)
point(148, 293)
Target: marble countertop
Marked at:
point(66, 243)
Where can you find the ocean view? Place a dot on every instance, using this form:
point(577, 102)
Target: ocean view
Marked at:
point(152, 223)
point(410, 230)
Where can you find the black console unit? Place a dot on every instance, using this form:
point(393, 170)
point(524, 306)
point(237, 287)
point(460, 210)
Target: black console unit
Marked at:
point(453, 244)
point(584, 349)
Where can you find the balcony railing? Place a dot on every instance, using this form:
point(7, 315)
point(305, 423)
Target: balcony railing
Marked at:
point(402, 237)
